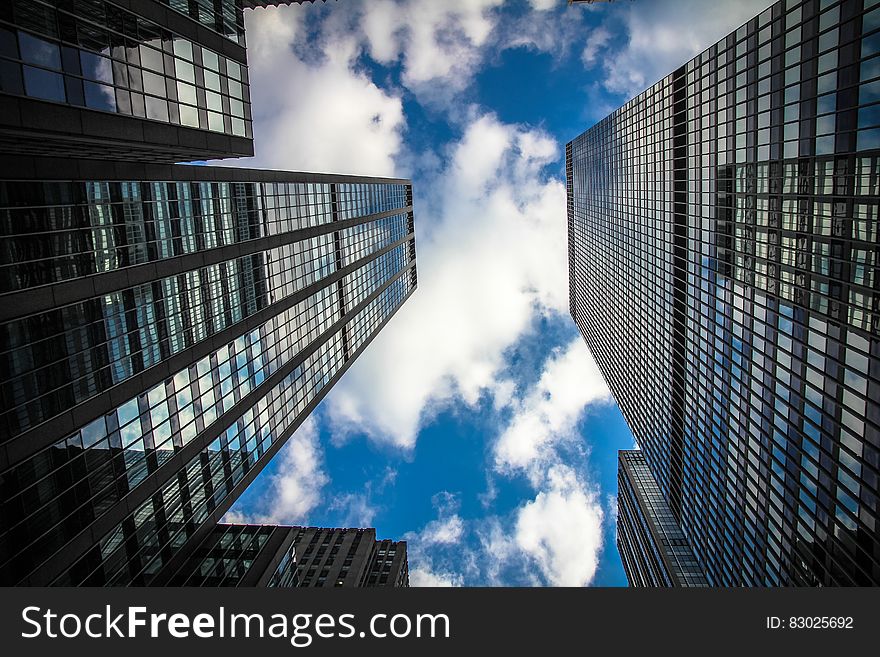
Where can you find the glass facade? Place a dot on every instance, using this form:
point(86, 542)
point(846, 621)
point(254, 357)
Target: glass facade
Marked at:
point(652, 547)
point(282, 556)
point(65, 355)
point(243, 555)
point(723, 242)
point(100, 56)
point(222, 16)
point(226, 311)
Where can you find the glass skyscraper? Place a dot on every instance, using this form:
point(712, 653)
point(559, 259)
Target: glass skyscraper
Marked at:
point(164, 328)
point(162, 339)
point(134, 80)
point(652, 547)
point(286, 556)
point(723, 244)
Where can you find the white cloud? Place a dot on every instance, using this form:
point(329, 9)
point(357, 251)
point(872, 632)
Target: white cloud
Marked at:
point(428, 563)
point(447, 528)
point(383, 29)
point(439, 45)
point(428, 578)
point(542, 30)
point(561, 529)
point(323, 115)
point(445, 532)
point(442, 40)
point(357, 509)
point(552, 539)
point(544, 5)
point(490, 256)
point(298, 486)
point(664, 34)
point(549, 412)
point(504, 561)
point(597, 40)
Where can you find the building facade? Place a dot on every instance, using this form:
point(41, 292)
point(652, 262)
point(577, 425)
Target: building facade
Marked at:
point(162, 339)
point(124, 79)
point(723, 244)
point(652, 547)
point(288, 556)
point(164, 328)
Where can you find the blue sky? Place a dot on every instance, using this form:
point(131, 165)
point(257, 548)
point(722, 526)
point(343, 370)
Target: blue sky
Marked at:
point(476, 426)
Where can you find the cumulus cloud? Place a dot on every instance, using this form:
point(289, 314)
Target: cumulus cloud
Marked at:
point(597, 41)
point(428, 565)
point(664, 34)
point(549, 412)
point(323, 114)
point(448, 527)
point(561, 529)
point(490, 261)
point(427, 578)
point(439, 46)
point(551, 539)
point(357, 509)
point(297, 487)
point(434, 40)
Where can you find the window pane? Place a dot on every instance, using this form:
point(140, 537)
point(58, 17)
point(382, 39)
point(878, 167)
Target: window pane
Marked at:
point(95, 67)
point(44, 84)
point(189, 116)
point(100, 96)
point(38, 51)
point(157, 109)
point(10, 78)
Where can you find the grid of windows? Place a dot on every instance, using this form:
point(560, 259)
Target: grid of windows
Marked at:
point(723, 240)
point(295, 313)
point(95, 54)
point(73, 480)
point(162, 339)
point(136, 549)
point(63, 356)
point(223, 16)
point(51, 232)
point(348, 558)
point(653, 549)
point(231, 553)
point(388, 566)
point(286, 574)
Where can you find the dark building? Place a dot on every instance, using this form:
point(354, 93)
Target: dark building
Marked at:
point(269, 555)
point(163, 338)
point(723, 245)
point(243, 555)
point(127, 79)
point(146, 80)
point(164, 328)
point(652, 547)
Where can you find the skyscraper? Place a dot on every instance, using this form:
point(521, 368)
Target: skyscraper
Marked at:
point(267, 555)
point(164, 328)
point(163, 338)
point(137, 80)
point(723, 244)
point(652, 547)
